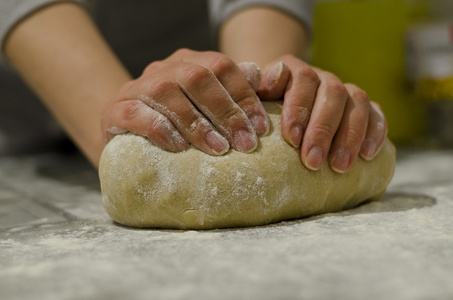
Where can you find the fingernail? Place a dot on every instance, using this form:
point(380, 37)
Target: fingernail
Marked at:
point(296, 136)
point(217, 142)
point(252, 73)
point(340, 161)
point(260, 124)
point(274, 74)
point(314, 159)
point(245, 141)
point(368, 149)
point(179, 142)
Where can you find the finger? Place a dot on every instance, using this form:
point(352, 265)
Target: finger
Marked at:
point(252, 74)
point(300, 96)
point(376, 133)
point(232, 79)
point(205, 91)
point(352, 130)
point(274, 83)
point(165, 96)
point(324, 120)
point(135, 116)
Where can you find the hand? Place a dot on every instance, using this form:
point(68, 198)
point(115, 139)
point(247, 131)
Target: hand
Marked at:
point(198, 98)
point(321, 113)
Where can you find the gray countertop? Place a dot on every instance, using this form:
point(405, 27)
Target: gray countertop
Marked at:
point(56, 242)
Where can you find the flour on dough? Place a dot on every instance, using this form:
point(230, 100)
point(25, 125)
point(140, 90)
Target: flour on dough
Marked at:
point(145, 186)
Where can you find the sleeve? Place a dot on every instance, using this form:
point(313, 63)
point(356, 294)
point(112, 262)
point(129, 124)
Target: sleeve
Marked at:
point(14, 11)
point(221, 10)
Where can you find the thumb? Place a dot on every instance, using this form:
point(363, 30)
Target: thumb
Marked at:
point(252, 73)
point(274, 83)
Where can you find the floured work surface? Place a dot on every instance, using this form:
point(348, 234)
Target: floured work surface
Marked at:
point(400, 247)
point(144, 186)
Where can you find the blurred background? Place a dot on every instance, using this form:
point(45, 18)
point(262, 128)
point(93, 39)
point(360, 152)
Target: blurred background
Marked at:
point(401, 53)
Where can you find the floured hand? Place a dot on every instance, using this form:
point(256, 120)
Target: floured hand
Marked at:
point(199, 98)
point(321, 114)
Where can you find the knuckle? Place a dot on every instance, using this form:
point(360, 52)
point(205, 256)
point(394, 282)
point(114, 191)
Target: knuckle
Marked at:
point(308, 74)
point(182, 52)
point(296, 114)
point(131, 110)
point(246, 101)
point(323, 131)
point(230, 116)
point(222, 65)
point(249, 105)
point(161, 86)
point(156, 67)
point(337, 88)
point(198, 126)
point(355, 136)
point(196, 74)
point(360, 95)
point(160, 125)
point(151, 67)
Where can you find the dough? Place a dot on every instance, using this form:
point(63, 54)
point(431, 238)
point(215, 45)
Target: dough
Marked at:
point(145, 186)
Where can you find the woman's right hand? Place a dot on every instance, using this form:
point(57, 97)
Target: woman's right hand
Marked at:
point(198, 98)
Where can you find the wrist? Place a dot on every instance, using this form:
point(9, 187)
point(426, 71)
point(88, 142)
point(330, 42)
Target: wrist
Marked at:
point(262, 35)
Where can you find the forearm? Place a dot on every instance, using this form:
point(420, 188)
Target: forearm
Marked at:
point(64, 59)
point(261, 35)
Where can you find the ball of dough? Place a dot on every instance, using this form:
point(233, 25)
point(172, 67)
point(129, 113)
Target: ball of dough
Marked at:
point(145, 186)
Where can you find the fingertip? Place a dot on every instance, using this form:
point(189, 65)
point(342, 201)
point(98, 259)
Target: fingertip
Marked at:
point(244, 141)
point(274, 74)
point(275, 82)
point(218, 144)
point(260, 124)
point(368, 149)
point(179, 142)
point(377, 148)
point(293, 123)
point(252, 74)
point(314, 159)
point(296, 135)
point(341, 161)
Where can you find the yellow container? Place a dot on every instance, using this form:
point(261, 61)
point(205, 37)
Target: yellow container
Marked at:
point(362, 42)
